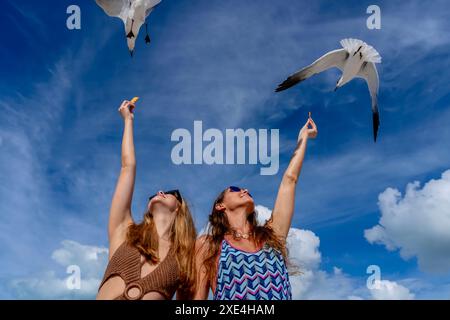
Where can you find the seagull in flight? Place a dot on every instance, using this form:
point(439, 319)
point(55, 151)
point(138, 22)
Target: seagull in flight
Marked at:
point(133, 13)
point(356, 59)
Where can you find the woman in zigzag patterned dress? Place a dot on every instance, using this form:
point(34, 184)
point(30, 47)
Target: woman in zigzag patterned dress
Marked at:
point(239, 259)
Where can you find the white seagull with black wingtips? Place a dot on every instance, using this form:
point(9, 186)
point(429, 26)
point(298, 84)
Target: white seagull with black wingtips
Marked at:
point(133, 13)
point(356, 59)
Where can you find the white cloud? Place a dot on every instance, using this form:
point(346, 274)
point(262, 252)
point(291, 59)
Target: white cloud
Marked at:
point(262, 214)
point(49, 285)
point(304, 248)
point(91, 260)
point(390, 290)
point(417, 224)
point(319, 284)
point(312, 282)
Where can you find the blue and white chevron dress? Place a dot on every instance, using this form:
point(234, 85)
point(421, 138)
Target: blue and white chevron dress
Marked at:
point(260, 275)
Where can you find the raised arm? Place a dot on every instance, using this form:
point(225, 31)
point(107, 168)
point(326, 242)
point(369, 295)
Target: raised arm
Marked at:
point(284, 205)
point(120, 212)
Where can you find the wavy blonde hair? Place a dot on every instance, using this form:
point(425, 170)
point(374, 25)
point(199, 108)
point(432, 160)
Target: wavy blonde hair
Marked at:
point(144, 237)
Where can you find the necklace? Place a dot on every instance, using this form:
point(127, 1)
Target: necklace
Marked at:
point(239, 235)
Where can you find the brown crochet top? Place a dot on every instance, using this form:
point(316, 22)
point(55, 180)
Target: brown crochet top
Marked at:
point(126, 263)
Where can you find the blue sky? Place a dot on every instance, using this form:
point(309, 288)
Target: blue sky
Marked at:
point(219, 62)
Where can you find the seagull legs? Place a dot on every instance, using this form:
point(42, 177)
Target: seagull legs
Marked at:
point(147, 37)
point(131, 34)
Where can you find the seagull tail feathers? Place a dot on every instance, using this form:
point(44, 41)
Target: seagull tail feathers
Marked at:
point(369, 52)
point(351, 44)
point(371, 55)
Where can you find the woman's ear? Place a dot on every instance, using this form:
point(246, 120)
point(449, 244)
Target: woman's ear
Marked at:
point(220, 206)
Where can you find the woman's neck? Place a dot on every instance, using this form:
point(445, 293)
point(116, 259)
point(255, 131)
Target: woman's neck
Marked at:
point(238, 220)
point(163, 222)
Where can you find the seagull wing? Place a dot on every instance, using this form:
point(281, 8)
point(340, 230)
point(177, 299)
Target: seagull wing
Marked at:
point(336, 58)
point(114, 8)
point(369, 73)
point(145, 9)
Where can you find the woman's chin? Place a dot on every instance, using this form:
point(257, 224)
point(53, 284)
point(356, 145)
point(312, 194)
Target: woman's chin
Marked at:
point(250, 207)
point(157, 204)
point(161, 205)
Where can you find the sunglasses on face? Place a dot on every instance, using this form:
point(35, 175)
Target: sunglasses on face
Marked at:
point(237, 189)
point(176, 193)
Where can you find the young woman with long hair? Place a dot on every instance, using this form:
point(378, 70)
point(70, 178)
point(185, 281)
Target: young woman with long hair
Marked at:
point(239, 259)
point(152, 259)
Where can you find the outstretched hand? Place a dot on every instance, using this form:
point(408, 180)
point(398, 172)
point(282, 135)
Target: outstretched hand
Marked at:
point(126, 110)
point(306, 131)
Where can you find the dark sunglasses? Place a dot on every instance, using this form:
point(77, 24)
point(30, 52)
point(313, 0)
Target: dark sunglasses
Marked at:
point(237, 189)
point(176, 193)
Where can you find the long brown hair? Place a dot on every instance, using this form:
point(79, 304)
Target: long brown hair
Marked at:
point(144, 237)
point(219, 226)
